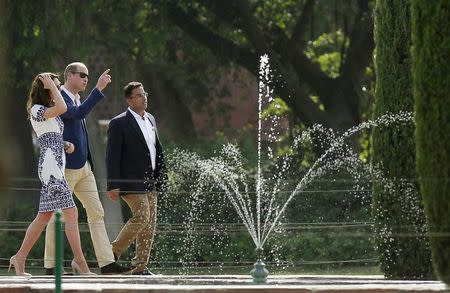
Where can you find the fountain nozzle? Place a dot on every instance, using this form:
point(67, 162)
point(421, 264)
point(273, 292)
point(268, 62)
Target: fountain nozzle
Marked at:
point(259, 272)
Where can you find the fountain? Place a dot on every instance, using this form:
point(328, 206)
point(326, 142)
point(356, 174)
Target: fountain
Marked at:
point(261, 210)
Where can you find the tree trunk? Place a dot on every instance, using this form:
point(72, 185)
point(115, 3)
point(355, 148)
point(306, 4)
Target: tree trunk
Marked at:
point(167, 103)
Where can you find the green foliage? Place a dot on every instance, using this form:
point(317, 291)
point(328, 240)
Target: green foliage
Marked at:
point(332, 198)
point(277, 108)
point(325, 52)
point(330, 245)
point(281, 28)
point(431, 43)
point(278, 13)
point(393, 153)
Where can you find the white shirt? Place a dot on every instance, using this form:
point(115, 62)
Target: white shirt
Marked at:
point(75, 98)
point(149, 134)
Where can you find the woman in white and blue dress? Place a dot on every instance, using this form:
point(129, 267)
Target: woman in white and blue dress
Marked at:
point(44, 105)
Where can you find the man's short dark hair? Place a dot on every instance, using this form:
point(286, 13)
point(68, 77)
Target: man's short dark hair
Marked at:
point(72, 67)
point(130, 87)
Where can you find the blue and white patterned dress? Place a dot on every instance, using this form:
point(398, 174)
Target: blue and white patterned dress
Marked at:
point(55, 192)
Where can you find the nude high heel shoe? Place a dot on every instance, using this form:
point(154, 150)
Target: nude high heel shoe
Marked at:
point(13, 263)
point(76, 268)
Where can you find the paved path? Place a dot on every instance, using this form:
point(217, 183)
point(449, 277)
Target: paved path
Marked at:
point(213, 283)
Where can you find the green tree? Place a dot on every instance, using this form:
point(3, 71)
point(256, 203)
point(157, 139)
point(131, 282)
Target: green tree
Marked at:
point(239, 31)
point(400, 232)
point(431, 51)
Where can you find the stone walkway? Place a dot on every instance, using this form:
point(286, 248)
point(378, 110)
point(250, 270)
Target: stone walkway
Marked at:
point(213, 283)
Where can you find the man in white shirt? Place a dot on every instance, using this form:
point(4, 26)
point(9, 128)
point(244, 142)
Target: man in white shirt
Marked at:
point(136, 172)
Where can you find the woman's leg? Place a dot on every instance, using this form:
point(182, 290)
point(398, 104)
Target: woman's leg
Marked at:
point(34, 230)
point(73, 235)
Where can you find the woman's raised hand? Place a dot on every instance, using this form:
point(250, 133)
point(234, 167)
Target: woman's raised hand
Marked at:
point(46, 80)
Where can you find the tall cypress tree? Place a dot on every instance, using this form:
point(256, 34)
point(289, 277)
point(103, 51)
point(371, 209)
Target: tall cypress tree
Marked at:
point(398, 212)
point(431, 75)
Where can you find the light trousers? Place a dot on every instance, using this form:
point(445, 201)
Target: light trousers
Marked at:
point(140, 227)
point(82, 183)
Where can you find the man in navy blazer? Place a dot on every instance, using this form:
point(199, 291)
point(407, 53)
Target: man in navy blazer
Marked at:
point(78, 170)
point(136, 172)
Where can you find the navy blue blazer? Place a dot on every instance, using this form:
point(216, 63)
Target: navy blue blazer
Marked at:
point(128, 162)
point(75, 128)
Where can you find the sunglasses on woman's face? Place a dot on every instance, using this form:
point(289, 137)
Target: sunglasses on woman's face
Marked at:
point(81, 74)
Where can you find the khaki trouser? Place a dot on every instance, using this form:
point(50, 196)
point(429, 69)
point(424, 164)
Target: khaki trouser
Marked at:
point(82, 182)
point(141, 226)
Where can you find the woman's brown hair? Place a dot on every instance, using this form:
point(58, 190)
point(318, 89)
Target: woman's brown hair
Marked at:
point(38, 94)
